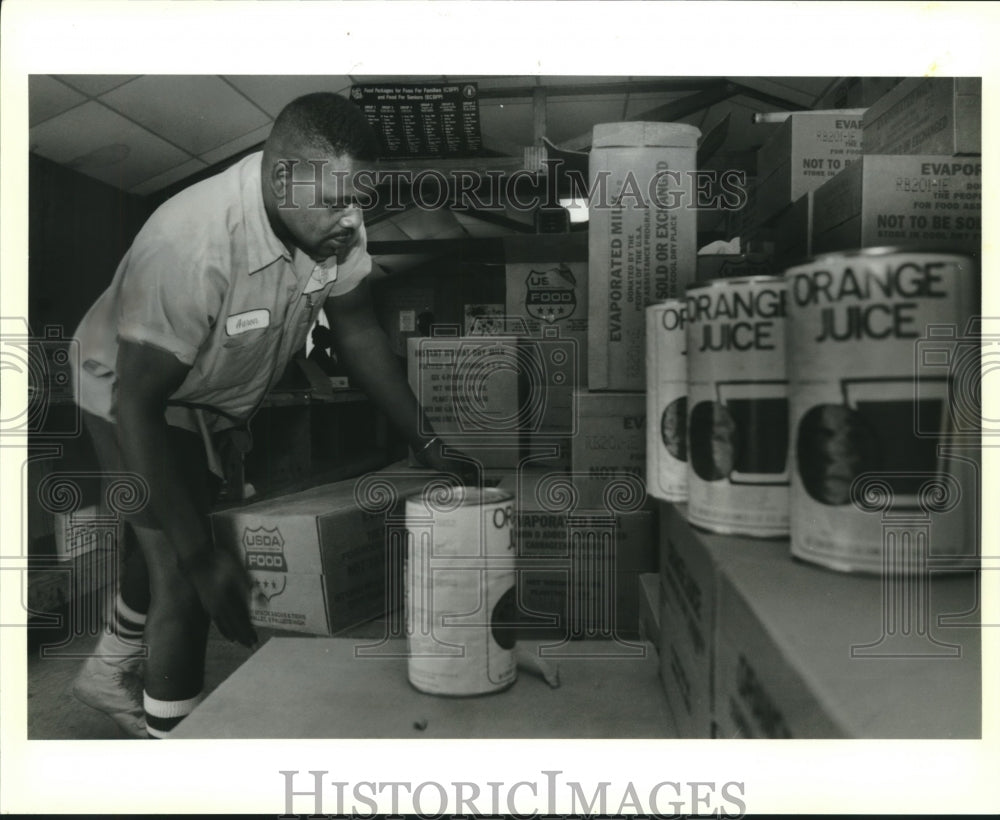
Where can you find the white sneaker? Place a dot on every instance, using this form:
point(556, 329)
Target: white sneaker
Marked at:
point(114, 686)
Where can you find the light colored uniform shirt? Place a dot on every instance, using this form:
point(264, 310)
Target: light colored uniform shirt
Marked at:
point(207, 280)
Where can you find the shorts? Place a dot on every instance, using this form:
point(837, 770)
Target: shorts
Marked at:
point(188, 451)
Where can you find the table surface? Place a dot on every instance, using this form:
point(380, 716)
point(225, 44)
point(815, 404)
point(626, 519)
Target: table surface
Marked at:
point(350, 688)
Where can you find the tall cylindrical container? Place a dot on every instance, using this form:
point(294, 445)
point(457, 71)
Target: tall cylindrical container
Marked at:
point(666, 400)
point(884, 376)
point(642, 236)
point(460, 594)
point(738, 406)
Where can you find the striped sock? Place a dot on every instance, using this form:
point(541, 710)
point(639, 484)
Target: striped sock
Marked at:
point(123, 633)
point(164, 715)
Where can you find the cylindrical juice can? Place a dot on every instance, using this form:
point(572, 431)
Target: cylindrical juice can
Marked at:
point(460, 593)
point(666, 400)
point(737, 406)
point(883, 421)
point(642, 240)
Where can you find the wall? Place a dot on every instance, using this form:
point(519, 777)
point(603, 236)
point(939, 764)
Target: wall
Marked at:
point(78, 231)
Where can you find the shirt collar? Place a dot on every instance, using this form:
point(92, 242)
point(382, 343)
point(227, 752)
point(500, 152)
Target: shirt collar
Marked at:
point(263, 246)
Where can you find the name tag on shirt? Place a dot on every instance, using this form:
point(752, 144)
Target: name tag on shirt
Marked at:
point(250, 320)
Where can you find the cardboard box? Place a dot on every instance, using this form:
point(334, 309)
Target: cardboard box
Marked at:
point(610, 443)
point(558, 538)
point(927, 115)
point(642, 248)
point(689, 573)
point(547, 288)
point(321, 561)
point(590, 607)
point(856, 92)
point(492, 396)
point(81, 531)
point(649, 607)
point(792, 233)
point(888, 200)
point(804, 652)
point(806, 150)
point(81, 582)
point(468, 388)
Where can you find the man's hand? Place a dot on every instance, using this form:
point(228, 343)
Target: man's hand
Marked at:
point(433, 456)
point(223, 587)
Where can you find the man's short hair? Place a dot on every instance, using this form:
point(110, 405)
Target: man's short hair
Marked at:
point(327, 123)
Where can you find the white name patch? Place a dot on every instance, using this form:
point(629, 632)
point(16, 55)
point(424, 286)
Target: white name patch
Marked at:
point(251, 320)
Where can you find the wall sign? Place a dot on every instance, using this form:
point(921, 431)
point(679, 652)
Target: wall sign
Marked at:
point(426, 120)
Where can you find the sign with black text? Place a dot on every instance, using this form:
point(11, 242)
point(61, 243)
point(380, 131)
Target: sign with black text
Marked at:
point(426, 120)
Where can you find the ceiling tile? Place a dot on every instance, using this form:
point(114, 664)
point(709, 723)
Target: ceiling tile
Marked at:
point(48, 97)
point(154, 184)
point(99, 143)
point(385, 231)
point(480, 228)
point(94, 84)
point(195, 113)
point(272, 93)
point(230, 149)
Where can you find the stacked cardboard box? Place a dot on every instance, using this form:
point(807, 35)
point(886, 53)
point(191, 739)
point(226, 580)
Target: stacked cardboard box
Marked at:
point(578, 569)
point(649, 608)
point(468, 387)
point(927, 115)
point(856, 92)
point(547, 291)
point(754, 644)
point(807, 149)
point(326, 558)
point(802, 652)
point(608, 452)
point(891, 200)
point(690, 566)
point(81, 531)
point(792, 232)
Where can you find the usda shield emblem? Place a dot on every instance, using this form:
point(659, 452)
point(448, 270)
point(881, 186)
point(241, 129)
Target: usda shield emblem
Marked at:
point(270, 586)
point(265, 549)
point(551, 294)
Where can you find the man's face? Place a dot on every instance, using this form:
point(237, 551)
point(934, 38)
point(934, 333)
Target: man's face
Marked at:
point(318, 207)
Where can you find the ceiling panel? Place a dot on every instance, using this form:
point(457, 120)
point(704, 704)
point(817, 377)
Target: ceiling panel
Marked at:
point(385, 231)
point(99, 143)
point(186, 109)
point(230, 149)
point(48, 97)
point(154, 184)
point(480, 228)
point(217, 118)
point(418, 223)
point(95, 84)
point(272, 93)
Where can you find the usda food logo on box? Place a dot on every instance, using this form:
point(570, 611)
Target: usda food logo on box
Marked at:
point(265, 549)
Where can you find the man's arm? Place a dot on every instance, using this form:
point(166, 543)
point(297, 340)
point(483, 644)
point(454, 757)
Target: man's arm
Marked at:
point(147, 376)
point(371, 365)
point(364, 350)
